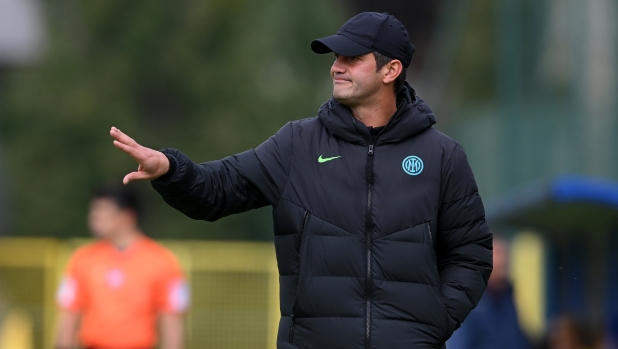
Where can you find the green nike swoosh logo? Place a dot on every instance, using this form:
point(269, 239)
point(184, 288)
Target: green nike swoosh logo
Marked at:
point(321, 160)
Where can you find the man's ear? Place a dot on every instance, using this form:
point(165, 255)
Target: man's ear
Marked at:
point(392, 70)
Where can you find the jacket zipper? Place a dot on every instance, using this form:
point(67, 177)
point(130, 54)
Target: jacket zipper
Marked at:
point(369, 238)
point(302, 230)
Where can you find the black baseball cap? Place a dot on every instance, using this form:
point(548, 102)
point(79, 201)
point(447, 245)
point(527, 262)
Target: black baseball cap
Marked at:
point(368, 32)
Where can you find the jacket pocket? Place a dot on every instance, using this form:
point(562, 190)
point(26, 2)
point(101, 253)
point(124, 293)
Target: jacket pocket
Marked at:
point(303, 226)
point(434, 262)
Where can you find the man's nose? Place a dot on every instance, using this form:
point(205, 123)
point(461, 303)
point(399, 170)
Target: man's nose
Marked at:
point(338, 67)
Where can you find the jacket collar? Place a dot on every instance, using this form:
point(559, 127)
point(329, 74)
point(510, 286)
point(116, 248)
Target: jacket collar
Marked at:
point(412, 117)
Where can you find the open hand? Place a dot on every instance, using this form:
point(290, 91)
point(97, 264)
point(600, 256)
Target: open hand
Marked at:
point(152, 164)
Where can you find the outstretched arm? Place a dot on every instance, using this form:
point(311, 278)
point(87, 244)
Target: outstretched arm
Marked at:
point(213, 189)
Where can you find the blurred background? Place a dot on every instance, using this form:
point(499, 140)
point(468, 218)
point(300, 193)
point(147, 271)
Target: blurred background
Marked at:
point(527, 87)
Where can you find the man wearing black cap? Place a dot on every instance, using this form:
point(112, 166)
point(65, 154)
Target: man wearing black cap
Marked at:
point(380, 232)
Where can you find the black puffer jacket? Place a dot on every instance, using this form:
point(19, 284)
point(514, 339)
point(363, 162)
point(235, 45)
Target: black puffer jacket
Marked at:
point(381, 243)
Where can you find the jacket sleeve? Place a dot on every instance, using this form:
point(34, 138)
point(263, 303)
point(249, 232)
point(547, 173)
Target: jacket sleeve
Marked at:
point(235, 184)
point(464, 240)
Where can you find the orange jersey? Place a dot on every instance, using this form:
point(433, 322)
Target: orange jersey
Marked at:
point(120, 293)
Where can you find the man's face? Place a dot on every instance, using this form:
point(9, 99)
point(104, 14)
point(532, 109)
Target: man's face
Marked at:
point(355, 79)
point(106, 219)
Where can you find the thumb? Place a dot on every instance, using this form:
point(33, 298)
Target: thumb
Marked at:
point(136, 176)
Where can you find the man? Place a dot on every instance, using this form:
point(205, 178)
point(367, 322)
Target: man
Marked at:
point(380, 233)
point(119, 286)
point(493, 324)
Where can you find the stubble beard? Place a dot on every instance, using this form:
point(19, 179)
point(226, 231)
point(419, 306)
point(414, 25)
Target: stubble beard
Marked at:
point(354, 96)
point(348, 96)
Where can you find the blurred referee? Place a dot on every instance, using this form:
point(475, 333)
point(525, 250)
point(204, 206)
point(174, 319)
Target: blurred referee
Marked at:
point(118, 288)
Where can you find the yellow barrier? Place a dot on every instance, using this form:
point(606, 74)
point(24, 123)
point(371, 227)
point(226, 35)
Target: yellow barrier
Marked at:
point(528, 274)
point(234, 285)
point(16, 330)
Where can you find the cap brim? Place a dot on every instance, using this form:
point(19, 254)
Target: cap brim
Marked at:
point(340, 45)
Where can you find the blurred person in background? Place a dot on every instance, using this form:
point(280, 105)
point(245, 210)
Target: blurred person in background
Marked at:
point(494, 323)
point(116, 289)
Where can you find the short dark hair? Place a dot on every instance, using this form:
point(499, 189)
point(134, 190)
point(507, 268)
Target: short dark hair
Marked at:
point(381, 61)
point(125, 197)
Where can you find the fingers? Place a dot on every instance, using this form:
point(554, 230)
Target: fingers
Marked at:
point(127, 144)
point(137, 176)
point(122, 138)
point(125, 148)
point(151, 165)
